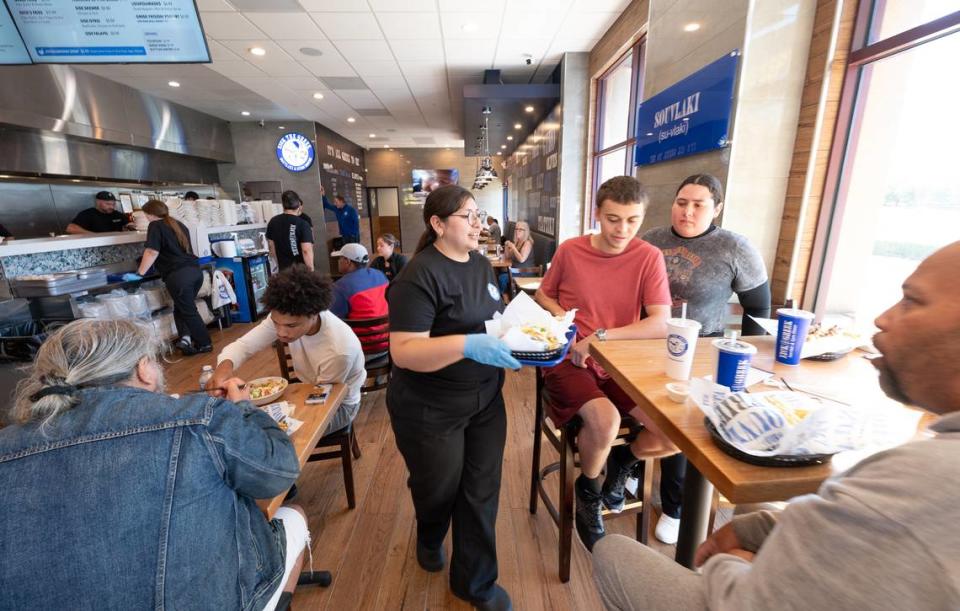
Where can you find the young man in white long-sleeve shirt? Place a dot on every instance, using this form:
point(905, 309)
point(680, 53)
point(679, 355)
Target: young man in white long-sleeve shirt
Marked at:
point(324, 348)
point(883, 535)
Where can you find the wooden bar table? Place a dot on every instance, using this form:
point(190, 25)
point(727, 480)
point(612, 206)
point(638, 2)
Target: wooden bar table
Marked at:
point(498, 262)
point(529, 284)
point(638, 368)
point(315, 420)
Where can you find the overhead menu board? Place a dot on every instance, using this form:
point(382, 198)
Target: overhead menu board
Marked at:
point(12, 50)
point(110, 31)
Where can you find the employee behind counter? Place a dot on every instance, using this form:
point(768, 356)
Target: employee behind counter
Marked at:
point(102, 218)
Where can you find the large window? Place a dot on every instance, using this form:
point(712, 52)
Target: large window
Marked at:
point(618, 92)
point(894, 184)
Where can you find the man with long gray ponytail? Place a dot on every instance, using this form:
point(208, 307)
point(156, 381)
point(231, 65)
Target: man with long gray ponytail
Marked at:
point(117, 495)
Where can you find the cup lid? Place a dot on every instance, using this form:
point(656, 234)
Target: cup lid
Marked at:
point(795, 313)
point(734, 346)
point(684, 322)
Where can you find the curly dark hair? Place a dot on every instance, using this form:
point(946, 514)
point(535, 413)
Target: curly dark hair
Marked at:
point(297, 291)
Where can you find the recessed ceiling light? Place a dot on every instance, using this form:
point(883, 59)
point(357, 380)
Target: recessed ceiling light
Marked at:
point(503, 146)
point(351, 120)
point(386, 146)
point(173, 84)
point(281, 127)
point(517, 126)
point(318, 96)
point(509, 137)
point(245, 113)
point(499, 153)
point(258, 51)
point(373, 135)
point(469, 27)
point(691, 27)
point(528, 109)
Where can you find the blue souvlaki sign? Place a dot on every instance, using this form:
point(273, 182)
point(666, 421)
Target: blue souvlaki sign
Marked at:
point(692, 116)
point(295, 152)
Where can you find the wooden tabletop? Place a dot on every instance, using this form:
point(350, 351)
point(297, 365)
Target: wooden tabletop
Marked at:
point(315, 420)
point(638, 367)
point(498, 262)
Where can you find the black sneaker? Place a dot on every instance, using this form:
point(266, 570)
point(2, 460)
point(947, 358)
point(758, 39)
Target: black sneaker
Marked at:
point(500, 601)
point(587, 518)
point(431, 560)
point(615, 483)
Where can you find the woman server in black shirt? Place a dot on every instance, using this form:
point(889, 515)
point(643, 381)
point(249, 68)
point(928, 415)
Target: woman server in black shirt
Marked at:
point(444, 398)
point(168, 244)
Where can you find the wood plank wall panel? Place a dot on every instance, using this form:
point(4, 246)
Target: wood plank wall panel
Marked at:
point(804, 199)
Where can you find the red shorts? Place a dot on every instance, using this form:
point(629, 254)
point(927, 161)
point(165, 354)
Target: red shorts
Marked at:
point(570, 387)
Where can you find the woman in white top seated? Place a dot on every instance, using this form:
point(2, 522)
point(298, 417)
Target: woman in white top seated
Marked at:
point(517, 252)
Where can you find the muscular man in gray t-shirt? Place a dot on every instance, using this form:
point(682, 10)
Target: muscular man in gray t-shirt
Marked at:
point(706, 270)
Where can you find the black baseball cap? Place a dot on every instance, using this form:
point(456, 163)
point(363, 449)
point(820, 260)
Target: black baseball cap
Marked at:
point(106, 195)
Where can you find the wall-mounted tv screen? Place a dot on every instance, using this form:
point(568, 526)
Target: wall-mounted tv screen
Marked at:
point(425, 181)
point(12, 50)
point(110, 31)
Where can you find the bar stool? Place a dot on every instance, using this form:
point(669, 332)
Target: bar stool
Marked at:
point(564, 440)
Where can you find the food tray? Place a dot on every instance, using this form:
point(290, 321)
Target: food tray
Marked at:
point(551, 358)
point(64, 284)
point(807, 460)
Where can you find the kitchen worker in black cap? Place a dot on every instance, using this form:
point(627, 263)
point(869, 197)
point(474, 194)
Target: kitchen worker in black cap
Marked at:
point(102, 218)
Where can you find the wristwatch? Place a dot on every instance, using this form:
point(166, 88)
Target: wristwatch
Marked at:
point(601, 334)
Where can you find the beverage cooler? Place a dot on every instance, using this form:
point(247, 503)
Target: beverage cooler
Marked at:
point(249, 278)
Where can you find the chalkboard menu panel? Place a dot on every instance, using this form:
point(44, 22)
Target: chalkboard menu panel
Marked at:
point(342, 169)
point(534, 177)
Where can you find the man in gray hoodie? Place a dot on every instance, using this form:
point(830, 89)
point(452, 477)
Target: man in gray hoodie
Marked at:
point(883, 535)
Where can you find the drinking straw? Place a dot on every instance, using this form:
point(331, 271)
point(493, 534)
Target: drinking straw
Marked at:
point(683, 311)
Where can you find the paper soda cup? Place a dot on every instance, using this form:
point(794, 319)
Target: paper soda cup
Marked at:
point(682, 337)
point(733, 362)
point(792, 330)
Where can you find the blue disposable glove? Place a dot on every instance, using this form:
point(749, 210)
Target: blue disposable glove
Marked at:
point(489, 350)
point(131, 277)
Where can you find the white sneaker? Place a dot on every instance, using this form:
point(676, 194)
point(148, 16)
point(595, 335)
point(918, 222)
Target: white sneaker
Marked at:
point(668, 529)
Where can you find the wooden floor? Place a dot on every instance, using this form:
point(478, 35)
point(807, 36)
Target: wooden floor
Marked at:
point(371, 549)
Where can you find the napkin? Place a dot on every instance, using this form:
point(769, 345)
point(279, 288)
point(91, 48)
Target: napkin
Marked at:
point(523, 311)
point(844, 342)
point(282, 414)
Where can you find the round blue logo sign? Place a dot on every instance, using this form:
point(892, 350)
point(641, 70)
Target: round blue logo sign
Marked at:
point(676, 345)
point(493, 290)
point(295, 152)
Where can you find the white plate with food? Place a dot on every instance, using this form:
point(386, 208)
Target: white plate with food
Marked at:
point(267, 390)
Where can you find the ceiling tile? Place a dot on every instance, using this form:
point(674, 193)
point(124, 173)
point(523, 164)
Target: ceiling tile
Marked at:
point(569, 45)
point(511, 53)
point(332, 65)
point(359, 98)
point(601, 6)
point(351, 82)
point(218, 52)
point(465, 6)
point(228, 26)
point(326, 48)
point(364, 50)
point(385, 82)
point(286, 26)
point(242, 48)
point(234, 69)
point(214, 5)
point(297, 83)
point(472, 53)
point(586, 25)
point(348, 26)
point(480, 25)
point(411, 6)
point(273, 6)
point(382, 68)
point(282, 67)
point(335, 6)
point(531, 24)
point(419, 51)
point(409, 26)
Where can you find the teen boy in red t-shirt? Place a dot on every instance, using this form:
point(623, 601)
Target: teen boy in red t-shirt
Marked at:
point(619, 285)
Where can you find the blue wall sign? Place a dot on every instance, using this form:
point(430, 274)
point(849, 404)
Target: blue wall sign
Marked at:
point(689, 117)
point(295, 152)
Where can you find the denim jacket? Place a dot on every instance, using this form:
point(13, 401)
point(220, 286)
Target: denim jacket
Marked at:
point(137, 500)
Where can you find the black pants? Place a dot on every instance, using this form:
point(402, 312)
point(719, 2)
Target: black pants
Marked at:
point(452, 442)
point(183, 284)
point(672, 471)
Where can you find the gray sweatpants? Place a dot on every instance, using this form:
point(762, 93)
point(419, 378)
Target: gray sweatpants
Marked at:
point(631, 576)
point(342, 417)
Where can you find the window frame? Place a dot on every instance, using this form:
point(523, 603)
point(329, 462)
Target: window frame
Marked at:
point(638, 52)
point(845, 141)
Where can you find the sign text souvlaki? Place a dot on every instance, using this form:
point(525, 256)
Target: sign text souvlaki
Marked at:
point(677, 110)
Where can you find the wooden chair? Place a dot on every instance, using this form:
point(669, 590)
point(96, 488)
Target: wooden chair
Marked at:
point(564, 440)
point(345, 439)
point(378, 362)
point(534, 270)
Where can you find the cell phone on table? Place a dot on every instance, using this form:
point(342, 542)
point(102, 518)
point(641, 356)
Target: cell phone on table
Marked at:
point(314, 398)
